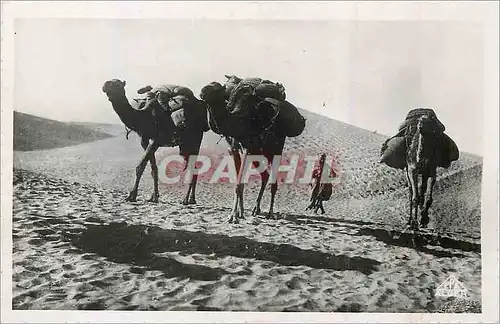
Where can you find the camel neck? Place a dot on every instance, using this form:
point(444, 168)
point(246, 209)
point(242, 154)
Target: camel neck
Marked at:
point(124, 110)
point(218, 112)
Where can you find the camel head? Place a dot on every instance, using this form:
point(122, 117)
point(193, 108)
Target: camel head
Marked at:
point(114, 88)
point(427, 125)
point(241, 99)
point(213, 93)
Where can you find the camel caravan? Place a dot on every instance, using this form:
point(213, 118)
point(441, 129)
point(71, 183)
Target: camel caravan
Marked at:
point(254, 117)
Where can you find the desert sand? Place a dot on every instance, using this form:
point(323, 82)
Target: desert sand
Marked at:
point(79, 245)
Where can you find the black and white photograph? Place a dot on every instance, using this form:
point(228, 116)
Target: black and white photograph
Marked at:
point(225, 158)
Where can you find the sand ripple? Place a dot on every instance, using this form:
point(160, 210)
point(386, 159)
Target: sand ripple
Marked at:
point(79, 247)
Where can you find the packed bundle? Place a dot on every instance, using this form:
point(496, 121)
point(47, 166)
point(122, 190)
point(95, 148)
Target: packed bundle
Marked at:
point(179, 102)
point(261, 88)
point(289, 119)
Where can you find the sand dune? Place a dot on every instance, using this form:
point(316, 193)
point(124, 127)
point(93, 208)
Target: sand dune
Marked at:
point(36, 133)
point(78, 245)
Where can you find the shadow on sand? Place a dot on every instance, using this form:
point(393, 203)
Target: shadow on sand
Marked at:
point(392, 237)
point(135, 244)
point(304, 219)
point(397, 238)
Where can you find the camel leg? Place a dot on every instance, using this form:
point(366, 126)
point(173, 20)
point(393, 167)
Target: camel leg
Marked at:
point(414, 199)
point(423, 190)
point(410, 189)
point(413, 184)
point(194, 180)
point(274, 189)
point(265, 179)
point(241, 214)
point(234, 218)
point(154, 172)
point(321, 207)
point(185, 201)
point(280, 142)
point(424, 219)
point(139, 170)
point(192, 196)
point(316, 206)
point(241, 188)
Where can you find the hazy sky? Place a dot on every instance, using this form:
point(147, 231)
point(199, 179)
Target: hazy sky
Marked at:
point(367, 73)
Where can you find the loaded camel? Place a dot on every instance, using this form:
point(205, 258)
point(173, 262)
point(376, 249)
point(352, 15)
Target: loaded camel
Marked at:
point(421, 146)
point(156, 129)
point(253, 125)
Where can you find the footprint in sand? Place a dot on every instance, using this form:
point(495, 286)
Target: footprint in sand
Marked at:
point(236, 283)
point(294, 283)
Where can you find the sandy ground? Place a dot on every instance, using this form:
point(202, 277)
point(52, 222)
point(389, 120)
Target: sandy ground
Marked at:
point(78, 245)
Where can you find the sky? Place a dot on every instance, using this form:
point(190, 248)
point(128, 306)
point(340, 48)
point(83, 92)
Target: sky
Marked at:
point(366, 73)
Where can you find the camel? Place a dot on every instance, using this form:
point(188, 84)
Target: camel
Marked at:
point(267, 142)
point(423, 156)
point(158, 131)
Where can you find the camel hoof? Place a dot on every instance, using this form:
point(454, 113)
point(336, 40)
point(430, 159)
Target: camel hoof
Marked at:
point(272, 216)
point(192, 202)
point(131, 198)
point(256, 211)
point(185, 202)
point(153, 200)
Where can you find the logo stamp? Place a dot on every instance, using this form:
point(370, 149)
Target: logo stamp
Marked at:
point(452, 287)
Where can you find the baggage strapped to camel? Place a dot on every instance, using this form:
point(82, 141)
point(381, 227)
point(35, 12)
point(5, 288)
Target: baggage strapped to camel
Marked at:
point(289, 118)
point(276, 108)
point(173, 99)
point(393, 152)
point(262, 88)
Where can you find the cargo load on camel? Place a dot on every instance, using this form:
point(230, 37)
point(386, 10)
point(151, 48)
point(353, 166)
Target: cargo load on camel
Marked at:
point(262, 88)
point(177, 105)
point(393, 152)
point(261, 104)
